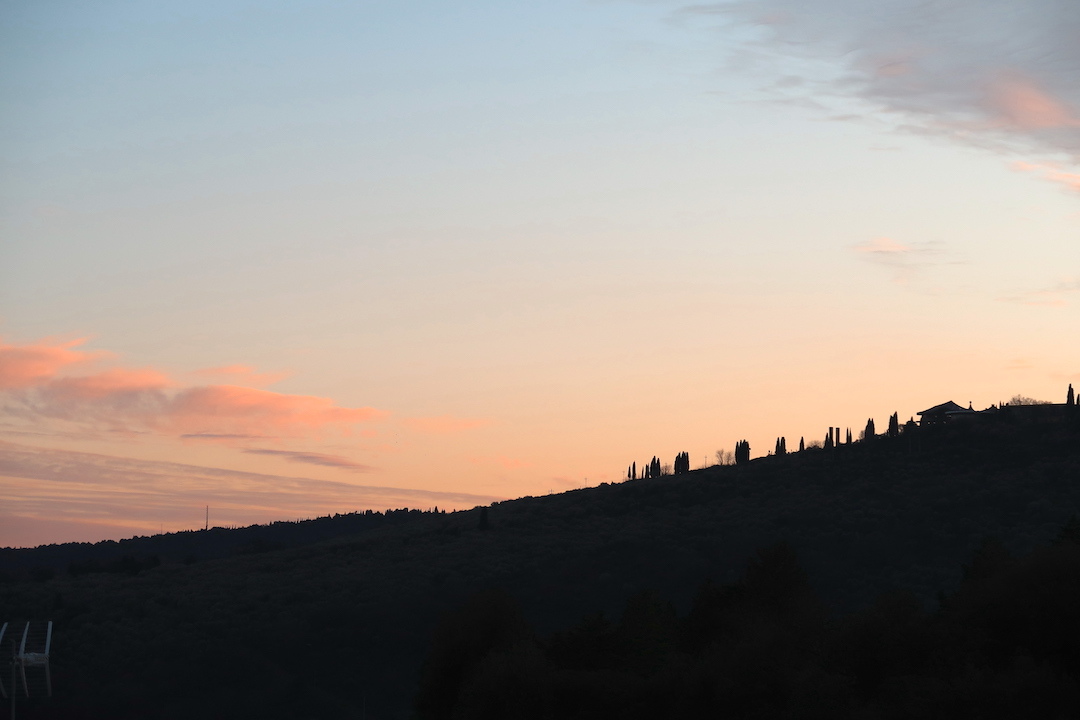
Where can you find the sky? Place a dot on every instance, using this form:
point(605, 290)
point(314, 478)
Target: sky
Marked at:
point(283, 260)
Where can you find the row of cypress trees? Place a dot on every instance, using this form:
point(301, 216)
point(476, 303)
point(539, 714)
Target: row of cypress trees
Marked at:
point(832, 439)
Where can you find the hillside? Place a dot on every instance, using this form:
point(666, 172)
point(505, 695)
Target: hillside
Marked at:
point(329, 629)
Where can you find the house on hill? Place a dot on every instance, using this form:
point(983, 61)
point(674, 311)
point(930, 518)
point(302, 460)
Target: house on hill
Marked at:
point(942, 413)
point(1027, 411)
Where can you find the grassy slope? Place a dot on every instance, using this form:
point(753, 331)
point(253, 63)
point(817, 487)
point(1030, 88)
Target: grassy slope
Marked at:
point(320, 630)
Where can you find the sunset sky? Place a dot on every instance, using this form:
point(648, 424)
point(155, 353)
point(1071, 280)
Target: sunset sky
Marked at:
point(292, 259)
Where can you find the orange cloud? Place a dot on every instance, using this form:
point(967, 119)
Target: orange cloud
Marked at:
point(27, 365)
point(1019, 103)
point(444, 424)
point(231, 409)
point(144, 399)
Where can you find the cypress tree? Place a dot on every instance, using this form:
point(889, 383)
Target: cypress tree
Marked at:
point(633, 470)
point(894, 425)
point(869, 433)
point(802, 443)
point(828, 440)
point(1070, 399)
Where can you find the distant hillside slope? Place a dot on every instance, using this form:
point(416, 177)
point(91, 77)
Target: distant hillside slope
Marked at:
point(134, 554)
point(329, 629)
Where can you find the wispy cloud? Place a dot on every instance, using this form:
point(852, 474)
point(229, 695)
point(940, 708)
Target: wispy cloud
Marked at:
point(88, 489)
point(1051, 172)
point(312, 458)
point(1056, 295)
point(903, 260)
point(1000, 74)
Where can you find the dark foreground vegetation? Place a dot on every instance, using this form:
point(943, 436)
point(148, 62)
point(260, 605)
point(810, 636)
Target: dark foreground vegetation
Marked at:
point(1006, 644)
point(340, 628)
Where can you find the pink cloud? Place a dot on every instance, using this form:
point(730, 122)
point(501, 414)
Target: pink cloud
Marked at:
point(147, 400)
point(444, 424)
point(27, 365)
point(1052, 173)
point(231, 409)
point(1020, 103)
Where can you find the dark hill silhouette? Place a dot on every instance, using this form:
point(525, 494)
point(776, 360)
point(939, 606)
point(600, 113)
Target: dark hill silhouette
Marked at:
point(328, 629)
point(134, 554)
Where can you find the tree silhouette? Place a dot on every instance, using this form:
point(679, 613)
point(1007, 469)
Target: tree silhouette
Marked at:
point(1024, 400)
point(654, 467)
point(1070, 399)
point(802, 443)
point(869, 433)
point(894, 425)
point(742, 452)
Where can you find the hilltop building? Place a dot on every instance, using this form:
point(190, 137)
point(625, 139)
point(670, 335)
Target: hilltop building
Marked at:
point(944, 412)
point(1029, 413)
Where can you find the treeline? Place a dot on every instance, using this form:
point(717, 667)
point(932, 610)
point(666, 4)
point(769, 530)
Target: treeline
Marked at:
point(133, 555)
point(834, 439)
point(1005, 644)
